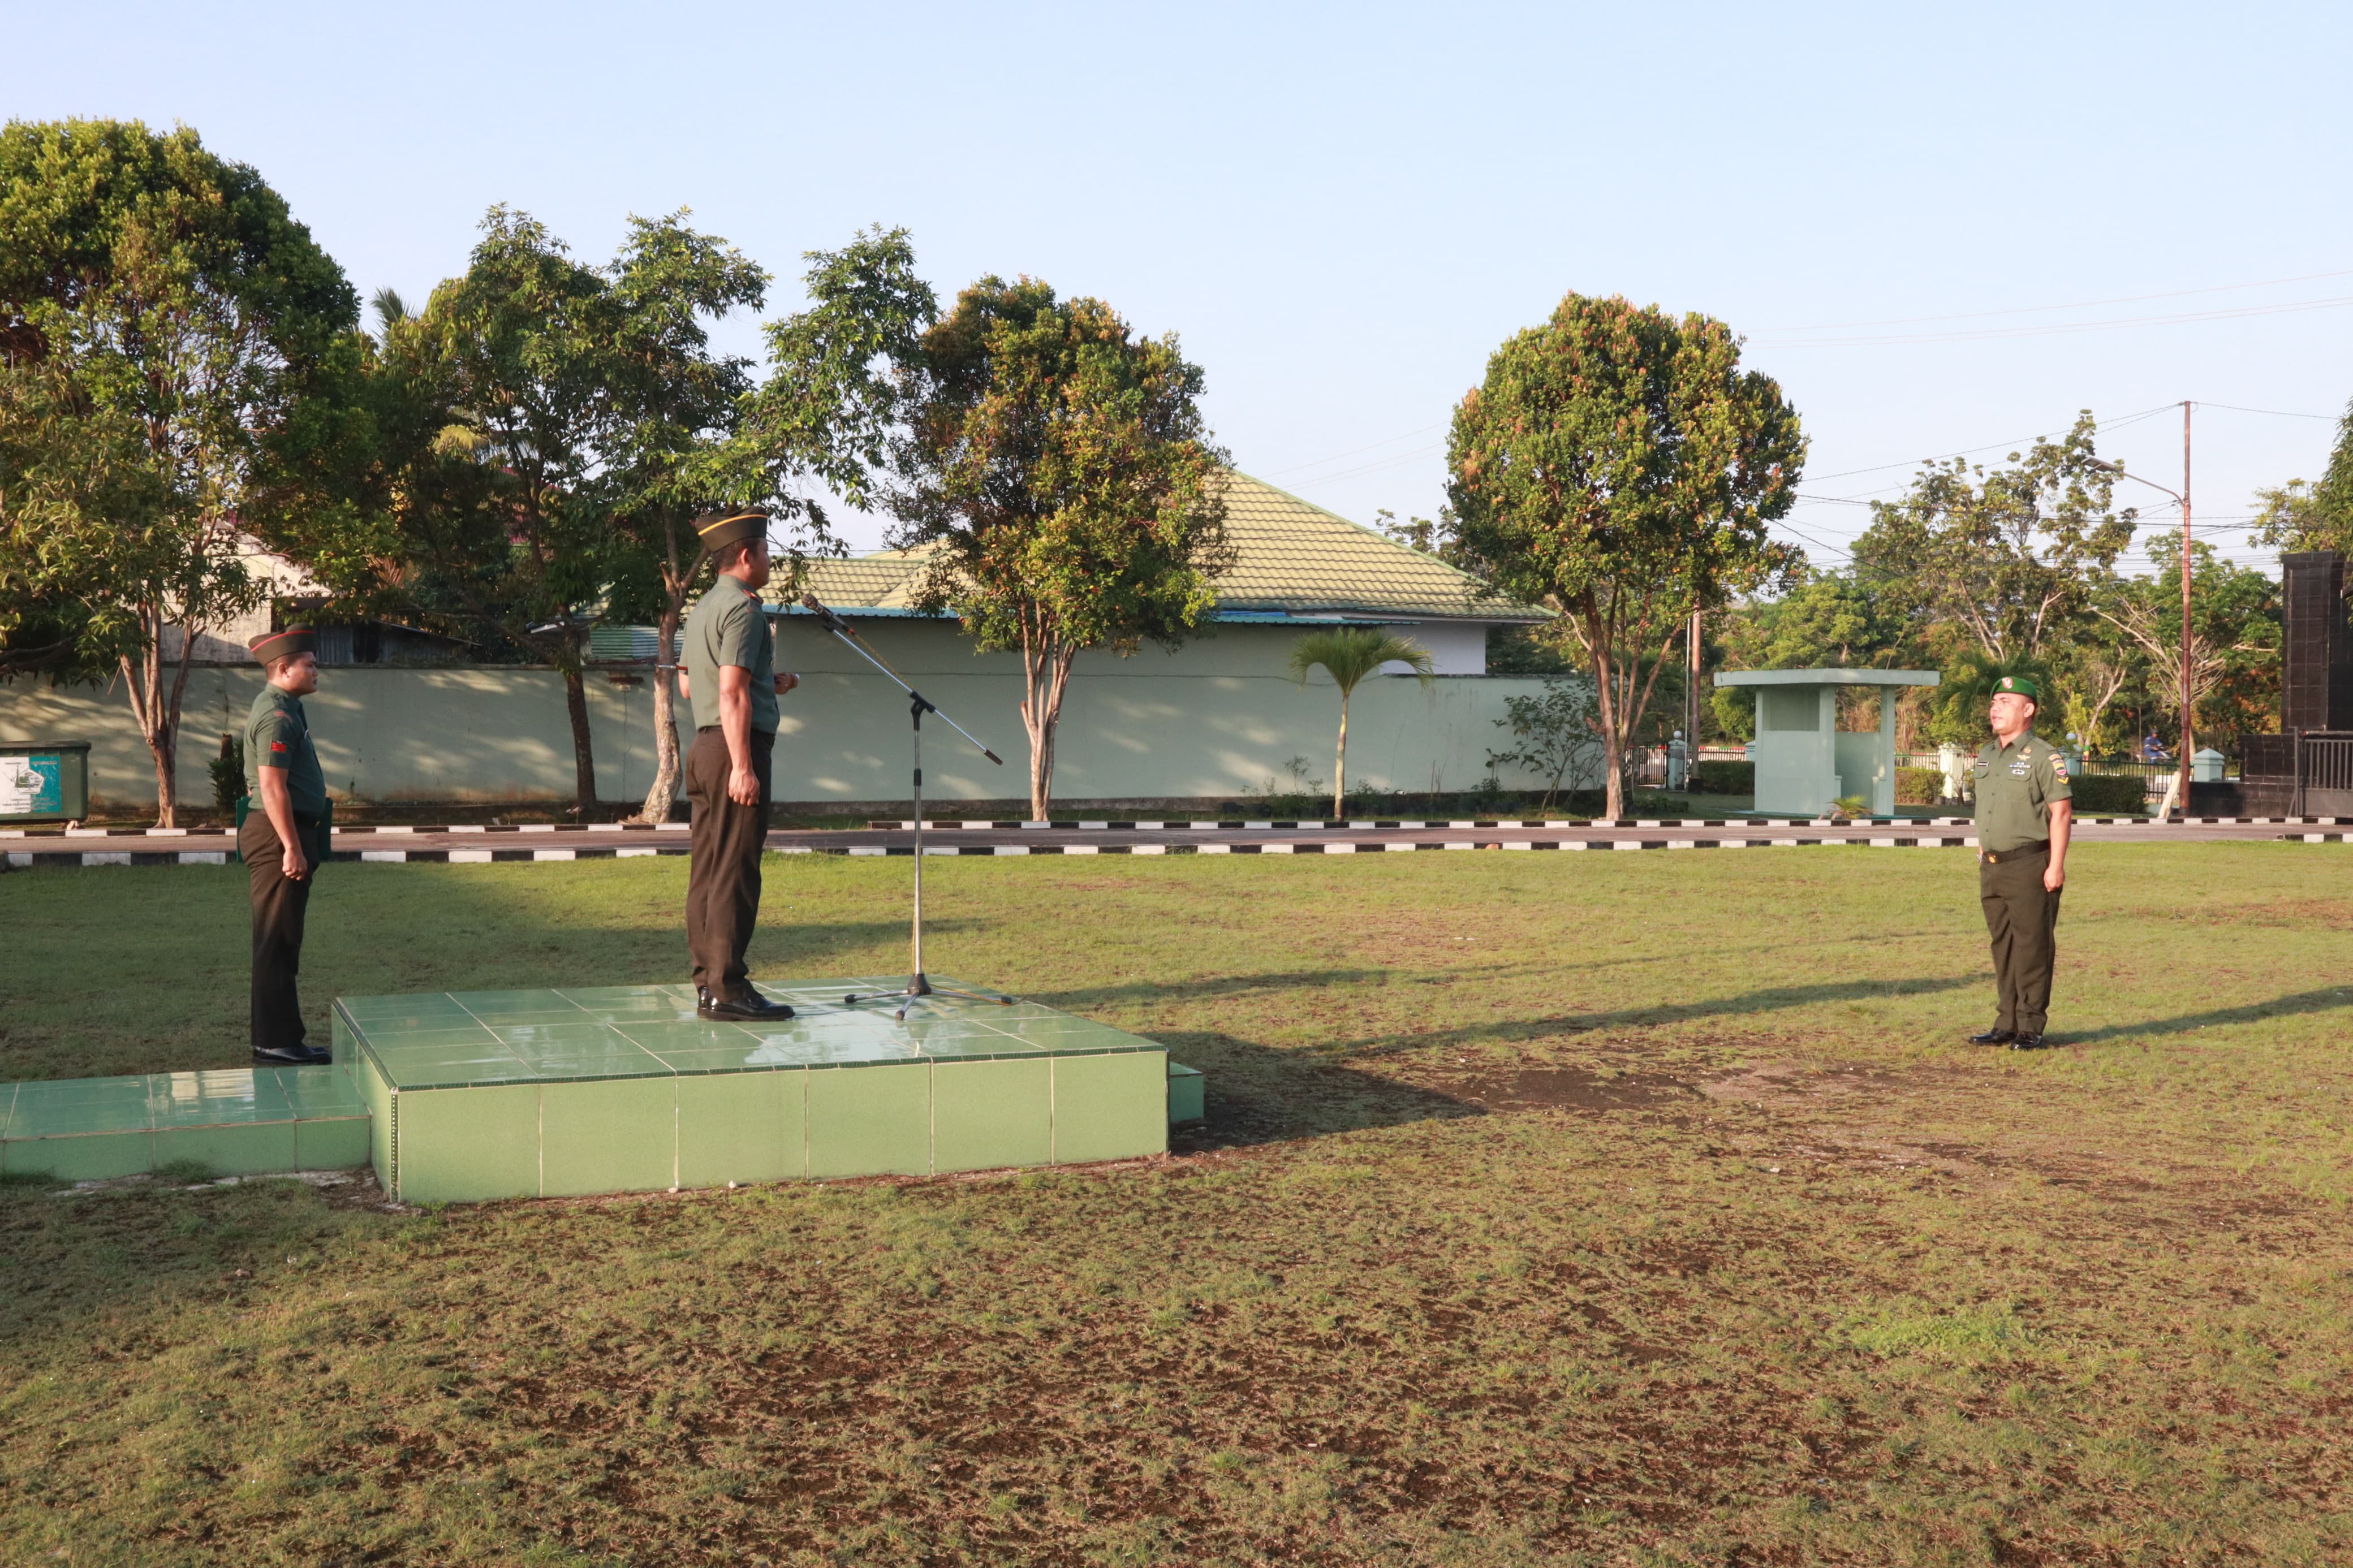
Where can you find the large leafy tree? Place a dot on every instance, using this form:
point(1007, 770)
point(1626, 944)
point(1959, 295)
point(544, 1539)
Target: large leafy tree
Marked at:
point(2301, 516)
point(670, 450)
point(1058, 468)
point(162, 322)
point(1619, 466)
point(2234, 634)
point(2003, 561)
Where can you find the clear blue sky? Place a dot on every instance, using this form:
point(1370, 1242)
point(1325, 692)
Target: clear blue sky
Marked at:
point(1344, 208)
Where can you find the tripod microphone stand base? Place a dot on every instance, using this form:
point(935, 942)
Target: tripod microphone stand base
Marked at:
point(916, 989)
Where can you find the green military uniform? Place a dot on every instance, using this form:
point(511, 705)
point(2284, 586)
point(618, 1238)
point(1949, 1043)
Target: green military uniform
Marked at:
point(278, 735)
point(2016, 785)
point(727, 628)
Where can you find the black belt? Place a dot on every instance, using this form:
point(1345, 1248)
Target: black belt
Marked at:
point(2039, 847)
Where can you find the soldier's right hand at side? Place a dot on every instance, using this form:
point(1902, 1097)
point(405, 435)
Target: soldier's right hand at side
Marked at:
point(743, 786)
point(294, 867)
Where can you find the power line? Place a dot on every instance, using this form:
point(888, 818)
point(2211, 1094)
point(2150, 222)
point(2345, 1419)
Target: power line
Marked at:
point(1336, 456)
point(1986, 334)
point(2280, 413)
point(2079, 305)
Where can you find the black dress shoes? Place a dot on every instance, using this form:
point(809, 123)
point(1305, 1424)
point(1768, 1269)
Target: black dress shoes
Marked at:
point(2027, 1043)
point(749, 1008)
point(291, 1055)
point(1993, 1038)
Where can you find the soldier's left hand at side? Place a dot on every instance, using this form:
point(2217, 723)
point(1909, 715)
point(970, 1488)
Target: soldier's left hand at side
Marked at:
point(787, 681)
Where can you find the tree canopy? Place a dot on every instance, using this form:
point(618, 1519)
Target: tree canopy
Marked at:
point(1617, 464)
point(164, 320)
point(1056, 466)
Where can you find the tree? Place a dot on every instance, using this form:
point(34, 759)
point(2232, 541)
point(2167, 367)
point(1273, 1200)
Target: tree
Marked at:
point(1825, 620)
point(2007, 560)
point(1348, 654)
point(179, 312)
point(2300, 516)
point(1057, 468)
point(1617, 464)
point(672, 450)
point(2234, 641)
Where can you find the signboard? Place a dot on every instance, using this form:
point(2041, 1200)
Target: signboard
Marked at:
point(31, 786)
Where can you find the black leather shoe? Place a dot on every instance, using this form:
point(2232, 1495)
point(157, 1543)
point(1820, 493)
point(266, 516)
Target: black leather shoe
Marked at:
point(292, 1056)
point(1993, 1038)
point(751, 1007)
point(2027, 1043)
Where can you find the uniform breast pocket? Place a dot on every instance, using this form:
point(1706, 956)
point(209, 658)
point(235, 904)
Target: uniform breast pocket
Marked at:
point(1982, 770)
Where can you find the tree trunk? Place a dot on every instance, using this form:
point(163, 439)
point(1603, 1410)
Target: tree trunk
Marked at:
point(664, 791)
point(1605, 693)
point(1046, 671)
point(158, 711)
point(583, 755)
point(1340, 764)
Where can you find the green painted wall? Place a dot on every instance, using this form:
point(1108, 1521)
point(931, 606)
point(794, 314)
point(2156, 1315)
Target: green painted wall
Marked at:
point(1218, 717)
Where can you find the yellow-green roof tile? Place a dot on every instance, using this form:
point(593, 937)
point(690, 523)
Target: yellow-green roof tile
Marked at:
point(1290, 556)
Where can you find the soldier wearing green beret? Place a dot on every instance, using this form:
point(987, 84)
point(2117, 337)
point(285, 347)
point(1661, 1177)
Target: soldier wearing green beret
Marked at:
point(2024, 808)
point(731, 683)
point(282, 840)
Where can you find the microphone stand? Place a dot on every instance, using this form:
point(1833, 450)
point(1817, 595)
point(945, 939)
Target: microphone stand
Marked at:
point(918, 985)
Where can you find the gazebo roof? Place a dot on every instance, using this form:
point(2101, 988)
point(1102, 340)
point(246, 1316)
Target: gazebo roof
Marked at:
point(1835, 676)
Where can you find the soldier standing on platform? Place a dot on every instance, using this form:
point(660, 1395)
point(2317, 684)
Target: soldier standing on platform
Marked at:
point(729, 680)
point(282, 840)
point(2024, 809)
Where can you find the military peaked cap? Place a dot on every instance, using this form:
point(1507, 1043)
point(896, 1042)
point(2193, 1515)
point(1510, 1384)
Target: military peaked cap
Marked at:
point(719, 530)
point(2022, 684)
point(272, 646)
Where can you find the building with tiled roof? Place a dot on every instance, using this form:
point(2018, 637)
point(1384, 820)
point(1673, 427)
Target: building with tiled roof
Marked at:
point(1295, 563)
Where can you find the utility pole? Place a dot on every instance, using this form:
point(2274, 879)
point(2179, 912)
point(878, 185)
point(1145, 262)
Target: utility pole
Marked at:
point(2189, 737)
point(2181, 783)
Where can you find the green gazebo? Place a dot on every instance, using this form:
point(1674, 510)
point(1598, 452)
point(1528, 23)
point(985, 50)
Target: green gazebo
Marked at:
point(1803, 763)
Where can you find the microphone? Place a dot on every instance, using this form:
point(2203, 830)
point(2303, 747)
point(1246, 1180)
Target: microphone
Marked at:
point(825, 618)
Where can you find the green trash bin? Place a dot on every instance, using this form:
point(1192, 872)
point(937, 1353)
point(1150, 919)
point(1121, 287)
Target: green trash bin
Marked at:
point(47, 781)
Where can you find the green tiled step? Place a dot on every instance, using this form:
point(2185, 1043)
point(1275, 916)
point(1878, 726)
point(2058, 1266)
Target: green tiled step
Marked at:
point(1186, 1100)
point(486, 1095)
point(237, 1122)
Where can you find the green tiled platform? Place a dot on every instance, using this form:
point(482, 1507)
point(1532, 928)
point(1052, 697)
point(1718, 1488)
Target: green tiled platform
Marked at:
point(496, 1094)
point(237, 1122)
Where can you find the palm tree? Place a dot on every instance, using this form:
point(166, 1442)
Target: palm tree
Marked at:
point(1348, 654)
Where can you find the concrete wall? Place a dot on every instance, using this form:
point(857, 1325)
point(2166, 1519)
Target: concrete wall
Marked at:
point(1218, 717)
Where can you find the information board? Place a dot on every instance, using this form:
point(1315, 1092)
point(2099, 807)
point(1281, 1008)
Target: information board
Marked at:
point(31, 786)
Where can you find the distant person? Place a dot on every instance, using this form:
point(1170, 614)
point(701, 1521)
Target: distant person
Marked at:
point(730, 681)
point(2025, 807)
point(282, 841)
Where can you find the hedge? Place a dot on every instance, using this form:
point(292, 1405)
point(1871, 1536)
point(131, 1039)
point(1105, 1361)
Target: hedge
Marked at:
point(1725, 778)
point(2106, 795)
point(1919, 787)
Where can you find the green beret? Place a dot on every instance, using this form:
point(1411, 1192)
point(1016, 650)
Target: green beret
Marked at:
point(2022, 684)
point(718, 530)
point(273, 645)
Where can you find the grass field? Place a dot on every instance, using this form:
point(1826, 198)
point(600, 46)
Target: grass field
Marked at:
point(1634, 1209)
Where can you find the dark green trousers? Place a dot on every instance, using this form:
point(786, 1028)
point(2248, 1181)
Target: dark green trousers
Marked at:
point(2021, 917)
point(723, 878)
point(279, 907)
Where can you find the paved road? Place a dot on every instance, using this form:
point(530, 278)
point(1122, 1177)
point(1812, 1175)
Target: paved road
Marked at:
point(947, 837)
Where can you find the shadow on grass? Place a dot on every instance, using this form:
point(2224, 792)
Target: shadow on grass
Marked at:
point(1258, 1094)
point(1773, 999)
point(2301, 1003)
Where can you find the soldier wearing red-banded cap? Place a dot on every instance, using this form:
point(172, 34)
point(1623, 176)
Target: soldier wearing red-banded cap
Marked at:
point(730, 681)
point(282, 840)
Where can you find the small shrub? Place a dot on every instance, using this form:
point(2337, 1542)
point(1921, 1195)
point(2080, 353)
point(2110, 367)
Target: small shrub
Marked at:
point(1725, 778)
point(228, 775)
